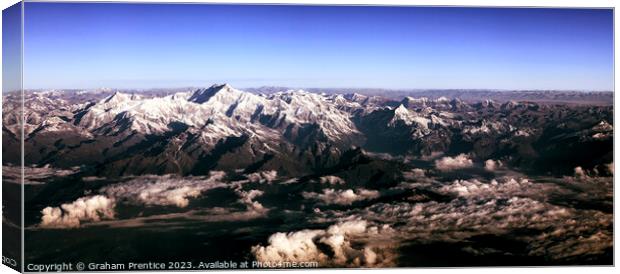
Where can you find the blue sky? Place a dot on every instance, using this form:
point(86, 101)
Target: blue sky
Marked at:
point(11, 48)
point(73, 45)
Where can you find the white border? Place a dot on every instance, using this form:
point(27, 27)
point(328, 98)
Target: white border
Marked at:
point(493, 3)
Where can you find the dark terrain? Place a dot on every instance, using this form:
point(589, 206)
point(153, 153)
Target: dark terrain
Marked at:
point(216, 173)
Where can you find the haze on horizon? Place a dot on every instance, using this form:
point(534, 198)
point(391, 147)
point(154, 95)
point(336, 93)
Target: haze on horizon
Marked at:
point(119, 45)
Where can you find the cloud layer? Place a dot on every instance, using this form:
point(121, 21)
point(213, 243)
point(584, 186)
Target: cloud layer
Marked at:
point(566, 218)
point(347, 243)
point(165, 190)
point(451, 163)
point(71, 215)
point(341, 197)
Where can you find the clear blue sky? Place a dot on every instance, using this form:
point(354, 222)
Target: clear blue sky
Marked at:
point(11, 48)
point(73, 45)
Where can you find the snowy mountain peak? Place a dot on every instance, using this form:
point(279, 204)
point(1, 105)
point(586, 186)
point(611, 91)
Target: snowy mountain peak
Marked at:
point(401, 113)
point(117, 97)
point(443, 99)
point(410, 101)
point(356, 97)
point(203, 95)
point(225, 85)
point(230, 111)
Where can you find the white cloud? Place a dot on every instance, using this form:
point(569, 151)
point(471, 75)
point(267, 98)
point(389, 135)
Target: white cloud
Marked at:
point(569, 232)
point(290, 181)
point(247, 198)
point(499, 206)
point(92, 179)
point(465, 187)
point(464, 218)
point(167, 190)
point(414, 174)
point(85, 209)
point(35, 175)
point(502, 187)
point(341, 197)
point(332, 180)
point(580, 172)
point(491, 165)
point(262, 176)
point(292, 247)
point(451, 163)
point(350, 244)
point(582, 236)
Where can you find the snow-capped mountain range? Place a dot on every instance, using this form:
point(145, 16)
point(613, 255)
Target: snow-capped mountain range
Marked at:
point(292, 131)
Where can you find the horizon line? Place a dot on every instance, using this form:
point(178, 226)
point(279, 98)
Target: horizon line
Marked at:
point(315, 88)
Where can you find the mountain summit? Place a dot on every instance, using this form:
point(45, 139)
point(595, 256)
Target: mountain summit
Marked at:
point(203, 95)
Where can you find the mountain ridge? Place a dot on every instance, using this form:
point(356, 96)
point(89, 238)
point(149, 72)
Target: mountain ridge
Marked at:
point(294, 131)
